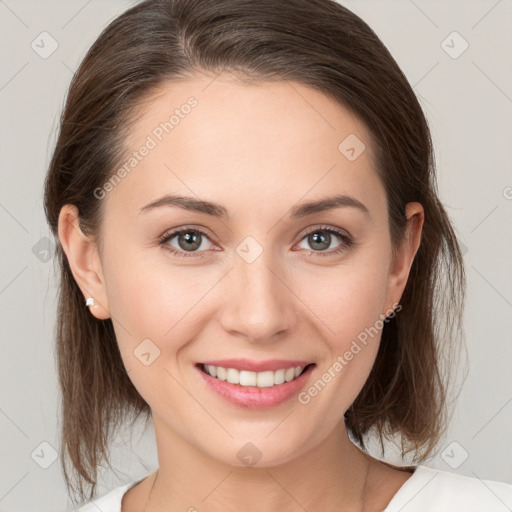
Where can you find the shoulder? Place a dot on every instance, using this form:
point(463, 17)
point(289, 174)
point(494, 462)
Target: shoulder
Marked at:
point(433, 490)
point(110, 502)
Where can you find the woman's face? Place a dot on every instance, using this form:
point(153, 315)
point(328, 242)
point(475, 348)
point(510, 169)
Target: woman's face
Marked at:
point(259, 277)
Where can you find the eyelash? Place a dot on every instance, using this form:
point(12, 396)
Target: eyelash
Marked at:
point(346, 239)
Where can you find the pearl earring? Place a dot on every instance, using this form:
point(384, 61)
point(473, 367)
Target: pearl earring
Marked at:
point(89, 302)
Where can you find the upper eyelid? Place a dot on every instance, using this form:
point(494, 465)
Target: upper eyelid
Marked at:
point(326, 227)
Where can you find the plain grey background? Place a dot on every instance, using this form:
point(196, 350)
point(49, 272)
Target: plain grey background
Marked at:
point(453, 53)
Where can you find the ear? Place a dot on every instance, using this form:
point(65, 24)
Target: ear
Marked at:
point(405, 253)
point(83, 258)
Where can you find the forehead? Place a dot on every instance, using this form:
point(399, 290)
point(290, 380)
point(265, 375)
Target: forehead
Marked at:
point(210, 136)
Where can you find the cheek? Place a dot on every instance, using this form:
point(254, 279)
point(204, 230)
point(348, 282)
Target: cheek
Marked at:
point(348, 305)
point(346, 299)
point(149, 297)
point(155, 309)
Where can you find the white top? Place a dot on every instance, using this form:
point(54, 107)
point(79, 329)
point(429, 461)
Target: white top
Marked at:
point(427, 490)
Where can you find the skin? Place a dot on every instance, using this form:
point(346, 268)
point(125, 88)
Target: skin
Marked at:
point(258, 150)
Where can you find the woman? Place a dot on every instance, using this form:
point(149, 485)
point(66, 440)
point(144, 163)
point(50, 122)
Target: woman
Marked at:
point(244, 198)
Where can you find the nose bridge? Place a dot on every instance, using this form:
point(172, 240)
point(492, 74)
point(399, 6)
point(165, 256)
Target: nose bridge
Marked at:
point(259, 304)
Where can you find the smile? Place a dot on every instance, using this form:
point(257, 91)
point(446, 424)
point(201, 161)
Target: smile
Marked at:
point(263, 379)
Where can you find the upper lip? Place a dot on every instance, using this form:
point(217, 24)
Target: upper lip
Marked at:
point(257, 366)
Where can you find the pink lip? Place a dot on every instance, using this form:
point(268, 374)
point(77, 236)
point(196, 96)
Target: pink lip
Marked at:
point(257, 366)
point(253, 397)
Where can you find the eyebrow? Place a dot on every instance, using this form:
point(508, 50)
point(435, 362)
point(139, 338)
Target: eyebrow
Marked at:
point(216, 210)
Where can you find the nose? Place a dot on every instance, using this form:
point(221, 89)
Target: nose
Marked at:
point(259, 304)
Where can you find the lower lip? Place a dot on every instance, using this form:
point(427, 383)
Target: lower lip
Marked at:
point(253, 397)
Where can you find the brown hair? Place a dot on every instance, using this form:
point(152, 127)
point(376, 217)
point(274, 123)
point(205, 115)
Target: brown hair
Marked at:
point(314, 42)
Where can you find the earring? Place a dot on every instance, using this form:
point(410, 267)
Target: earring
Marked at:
point(89, 302)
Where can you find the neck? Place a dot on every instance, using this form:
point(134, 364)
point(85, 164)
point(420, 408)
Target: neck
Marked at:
point(331, 476)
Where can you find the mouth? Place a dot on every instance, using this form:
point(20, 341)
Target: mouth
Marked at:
point(246, 378)
point(255, 389)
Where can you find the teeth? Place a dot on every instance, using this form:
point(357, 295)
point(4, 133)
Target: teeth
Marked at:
point(248, 378)
point(221, 372)
point(265, 379)
point(233, 376)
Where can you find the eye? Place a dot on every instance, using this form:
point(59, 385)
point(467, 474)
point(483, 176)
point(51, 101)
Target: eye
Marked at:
point(320, 240)
point(188, 240)
point(191, 241)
